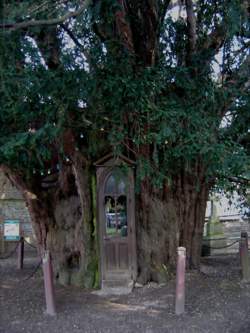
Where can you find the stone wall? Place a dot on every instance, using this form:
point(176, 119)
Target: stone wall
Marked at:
point(12, 206)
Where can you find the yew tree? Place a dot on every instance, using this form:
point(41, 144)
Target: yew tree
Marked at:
point(165, 83)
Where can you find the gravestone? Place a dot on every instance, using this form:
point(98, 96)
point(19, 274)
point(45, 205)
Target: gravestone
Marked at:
point(214, 241)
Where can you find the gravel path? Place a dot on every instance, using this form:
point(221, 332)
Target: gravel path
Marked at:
point(216, 301)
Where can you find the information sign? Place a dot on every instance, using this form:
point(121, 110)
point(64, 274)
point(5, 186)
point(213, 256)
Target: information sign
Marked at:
point(11, 230)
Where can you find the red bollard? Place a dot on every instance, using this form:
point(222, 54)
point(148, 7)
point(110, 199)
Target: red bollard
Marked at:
point(48, 284)
point(20, 253)
point(180, 281)
point(244, 258)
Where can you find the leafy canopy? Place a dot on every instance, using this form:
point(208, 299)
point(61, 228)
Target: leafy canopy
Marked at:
point(169, 90)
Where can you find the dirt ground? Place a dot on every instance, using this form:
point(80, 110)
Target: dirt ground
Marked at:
point(216, 301)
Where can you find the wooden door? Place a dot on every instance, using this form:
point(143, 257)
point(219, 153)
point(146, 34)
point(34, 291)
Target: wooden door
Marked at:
point(117, 229)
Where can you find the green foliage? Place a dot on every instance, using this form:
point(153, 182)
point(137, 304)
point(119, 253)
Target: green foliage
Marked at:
point(175, 108)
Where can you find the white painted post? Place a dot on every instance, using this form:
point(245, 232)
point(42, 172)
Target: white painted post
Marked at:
point(180, 281)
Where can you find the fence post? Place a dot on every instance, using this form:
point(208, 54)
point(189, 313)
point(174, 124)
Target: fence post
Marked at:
point(180, 281)
point(20, 253)
point(48, 284)
point(244, 258)
point(2, 249)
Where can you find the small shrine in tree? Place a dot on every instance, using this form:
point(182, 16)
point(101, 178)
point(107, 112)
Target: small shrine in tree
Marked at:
point(116, 220)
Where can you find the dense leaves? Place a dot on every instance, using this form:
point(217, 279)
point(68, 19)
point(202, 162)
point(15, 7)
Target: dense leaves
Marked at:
point(186, 106)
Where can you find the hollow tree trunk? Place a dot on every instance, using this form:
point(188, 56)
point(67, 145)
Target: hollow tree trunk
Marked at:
point(175, 217)
point(72, 236)
point(62, 217)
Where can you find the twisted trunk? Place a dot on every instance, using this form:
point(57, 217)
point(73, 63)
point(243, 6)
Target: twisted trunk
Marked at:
point(173, 218)
point(71, 238)
point(63, 221)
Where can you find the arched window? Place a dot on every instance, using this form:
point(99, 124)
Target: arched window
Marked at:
point(115, 201)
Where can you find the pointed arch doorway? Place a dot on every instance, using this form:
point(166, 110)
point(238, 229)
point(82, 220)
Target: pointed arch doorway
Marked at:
point(116, 221)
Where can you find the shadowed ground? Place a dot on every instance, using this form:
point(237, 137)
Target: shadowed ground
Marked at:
point(216, 301)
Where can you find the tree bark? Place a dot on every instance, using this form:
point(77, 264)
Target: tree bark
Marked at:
point(191, 199)
point(174, 218)
point(63, 221)
point(157, 237)
point(71, 238)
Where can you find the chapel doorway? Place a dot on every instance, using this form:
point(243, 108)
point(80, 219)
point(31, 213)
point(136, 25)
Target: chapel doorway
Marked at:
point(116, 221)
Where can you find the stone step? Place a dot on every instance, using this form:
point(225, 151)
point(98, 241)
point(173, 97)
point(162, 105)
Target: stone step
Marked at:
point(115, 283)
point(113, 291)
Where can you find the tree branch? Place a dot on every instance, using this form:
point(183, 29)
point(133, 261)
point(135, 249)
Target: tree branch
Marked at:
point(49, 46)
point(245, 46)
point(236, 77)
point(235, 85)
point(55, 21)
point(83, 50)
point(239, 180)
point(217, 37)
point(163, 10)
point(191, 25)
point(72, 36)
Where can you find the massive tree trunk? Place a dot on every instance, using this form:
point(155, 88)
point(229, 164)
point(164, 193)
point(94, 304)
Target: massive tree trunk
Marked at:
point(64, 222)
point(63, 219)
point(71, 238)
point(167, 219)
point(191, 199)
point(157, 237)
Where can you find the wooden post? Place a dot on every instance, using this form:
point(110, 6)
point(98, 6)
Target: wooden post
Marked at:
point(20, 253)
point(2, 238)
point(48, 284)
point(180, 281)
point(244, 258)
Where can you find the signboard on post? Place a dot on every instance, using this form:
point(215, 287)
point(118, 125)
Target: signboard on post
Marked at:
point(11, 230)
